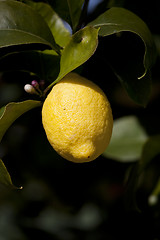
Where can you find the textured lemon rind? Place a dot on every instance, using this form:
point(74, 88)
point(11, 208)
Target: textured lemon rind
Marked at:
point(77, 119)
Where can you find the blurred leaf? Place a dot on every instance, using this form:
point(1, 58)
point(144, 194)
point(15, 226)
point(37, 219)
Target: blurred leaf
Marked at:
point(69, 10)
point(128, 139)
point(5, 178)
point(60, 32)
point(115, 3)
point(150, 151)
point(135, 77)
point(131, 189)
point(156, 190)
point(153, 199)
point(80, 48)
point(157, 42)
point(12, 111)
point(44, 64)
point(88, 218)
point(1, 111)
point(10, 92)
point(21, 26)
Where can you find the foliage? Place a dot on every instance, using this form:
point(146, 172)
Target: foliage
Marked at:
point(45, 41)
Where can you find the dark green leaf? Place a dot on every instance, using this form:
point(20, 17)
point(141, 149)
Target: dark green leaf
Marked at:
point(1, 111)
point(116, 20)
point(115, 3)
point(150, 151)
point(60, 32)
point(69, 10)
point(44, 64)
point(134, 73)
point(131, 189)
point(80, 48)
point(21, 26)
point(157, 43)
point(50, 64)
point(128, 139)
point(154, 197)
point(138, 89)
point(12, 111)
point(75, 8)
point(5, 178)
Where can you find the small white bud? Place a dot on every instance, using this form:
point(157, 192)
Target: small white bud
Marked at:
point(30, 89)
point(152, 200)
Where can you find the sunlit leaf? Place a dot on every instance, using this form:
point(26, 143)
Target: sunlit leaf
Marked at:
point(80, 48)
point(128, 139)
point(21, 26)
point(12, 111)
point(60, 32)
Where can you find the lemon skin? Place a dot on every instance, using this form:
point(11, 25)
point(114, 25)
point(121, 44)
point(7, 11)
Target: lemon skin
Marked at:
point(77, 119)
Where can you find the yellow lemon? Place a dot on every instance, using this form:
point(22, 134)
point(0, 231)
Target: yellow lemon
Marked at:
point(77, 119)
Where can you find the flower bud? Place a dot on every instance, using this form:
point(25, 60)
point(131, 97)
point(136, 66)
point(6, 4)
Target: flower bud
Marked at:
point(30, 89)
point(35, 84)
point(42, 84)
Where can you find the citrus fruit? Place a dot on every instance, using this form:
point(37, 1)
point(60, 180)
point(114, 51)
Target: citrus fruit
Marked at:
point(77, 119)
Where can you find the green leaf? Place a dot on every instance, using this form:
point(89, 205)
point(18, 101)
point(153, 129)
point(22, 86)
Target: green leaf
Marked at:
point(44, 64)
point(157, 43)
point(139, 90)
point(153, 199)
point(60, 32)
point(150, 151)
point(21, 26)
point(69, 10)
point(115, 3)
point(134, 74)
point(1, 111)
point(116, 20)
point(80, 48)
point(5, 178)
point(12, 111)
point(75, 8)
point(128, 139)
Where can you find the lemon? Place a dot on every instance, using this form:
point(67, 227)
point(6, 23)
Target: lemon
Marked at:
point(77, 119)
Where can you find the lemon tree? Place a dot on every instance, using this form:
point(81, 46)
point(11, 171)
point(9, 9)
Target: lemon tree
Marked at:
point(76, 113)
